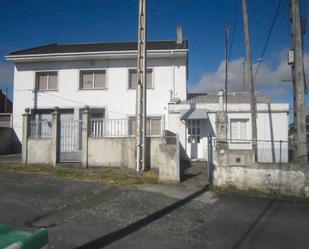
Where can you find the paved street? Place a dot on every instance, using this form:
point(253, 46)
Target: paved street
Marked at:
point(90, 215)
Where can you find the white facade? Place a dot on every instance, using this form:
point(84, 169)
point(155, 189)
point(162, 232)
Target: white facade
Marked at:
point(272, 126)
point(169, 79)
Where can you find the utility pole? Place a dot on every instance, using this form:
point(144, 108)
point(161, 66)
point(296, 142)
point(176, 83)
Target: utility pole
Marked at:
point(141, 143)
point(226, 34)
point(249, 78)
point(296, 62)
point(244, 76)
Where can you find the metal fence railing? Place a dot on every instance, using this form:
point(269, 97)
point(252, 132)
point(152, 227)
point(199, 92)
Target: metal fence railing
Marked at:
point(278, 151)
point(109, 128)
point(40, 129)
point(99, 128)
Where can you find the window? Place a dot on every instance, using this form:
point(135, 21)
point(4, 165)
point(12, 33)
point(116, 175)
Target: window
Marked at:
point(133, 79)
point(194, 131)
point(153, 126)
point(239, 129)
point(93, 79)
point(96, 113)
point(46, 81)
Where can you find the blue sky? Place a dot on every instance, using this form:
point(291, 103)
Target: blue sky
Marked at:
point(29, 23)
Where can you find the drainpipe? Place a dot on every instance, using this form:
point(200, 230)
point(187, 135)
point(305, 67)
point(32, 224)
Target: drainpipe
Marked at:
point(220, 96)
point(173, 73)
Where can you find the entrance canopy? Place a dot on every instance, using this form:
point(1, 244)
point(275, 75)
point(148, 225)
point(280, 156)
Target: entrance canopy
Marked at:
point(193, 114)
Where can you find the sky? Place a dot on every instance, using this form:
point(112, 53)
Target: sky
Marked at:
point(30, 23)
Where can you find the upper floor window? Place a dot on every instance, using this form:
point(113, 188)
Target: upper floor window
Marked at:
point(133, 78)
point(93, 79)
point(239, 130)
point(46, 81)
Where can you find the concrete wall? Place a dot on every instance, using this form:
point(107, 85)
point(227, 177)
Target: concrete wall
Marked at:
point(39, 151)
point(6, 140)
point(120, 152)
point(169, 169)
point(287, 178)
point(117, 99)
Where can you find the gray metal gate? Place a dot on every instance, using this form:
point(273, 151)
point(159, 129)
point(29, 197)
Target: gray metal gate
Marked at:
point(70, 140)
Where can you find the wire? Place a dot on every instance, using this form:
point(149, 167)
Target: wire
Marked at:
point(268, 37)
point(43, 13)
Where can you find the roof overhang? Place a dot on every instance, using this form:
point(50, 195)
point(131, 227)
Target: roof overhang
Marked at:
point(193, 114)
point(96, 55)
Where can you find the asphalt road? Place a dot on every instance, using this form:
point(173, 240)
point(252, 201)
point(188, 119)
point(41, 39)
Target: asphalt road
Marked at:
point(89, 215)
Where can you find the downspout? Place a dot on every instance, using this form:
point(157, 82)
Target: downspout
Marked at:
point(173, 74)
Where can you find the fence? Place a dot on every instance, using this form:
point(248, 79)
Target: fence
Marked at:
point(40, 129)
point(109, 128)
point(99, 128)
point(267, 150)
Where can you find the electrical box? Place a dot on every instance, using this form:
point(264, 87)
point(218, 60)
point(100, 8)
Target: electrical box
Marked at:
point(291, 57)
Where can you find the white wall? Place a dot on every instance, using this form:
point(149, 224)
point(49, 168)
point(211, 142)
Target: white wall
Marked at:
point(118, 100)
point(275, 130)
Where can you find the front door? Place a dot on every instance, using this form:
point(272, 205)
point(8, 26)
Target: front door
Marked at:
point(193, 138)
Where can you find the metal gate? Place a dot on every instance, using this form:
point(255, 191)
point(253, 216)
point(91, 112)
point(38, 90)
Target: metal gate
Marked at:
point(70, 140)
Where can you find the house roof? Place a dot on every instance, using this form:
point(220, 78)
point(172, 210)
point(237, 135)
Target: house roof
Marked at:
point(232, 98)
point(100, 47)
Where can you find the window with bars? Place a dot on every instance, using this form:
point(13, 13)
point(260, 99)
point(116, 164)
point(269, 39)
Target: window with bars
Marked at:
point(46, 81)
point(92, 79)
point(153, 126)
point(133, 79)
point(239, 131)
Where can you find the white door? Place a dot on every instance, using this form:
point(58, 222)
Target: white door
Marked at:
point(194, 147)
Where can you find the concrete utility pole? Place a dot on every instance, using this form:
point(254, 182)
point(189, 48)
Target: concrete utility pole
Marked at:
point(296, 62)
point(141, 136)
point(226, 37)
point(249, 78)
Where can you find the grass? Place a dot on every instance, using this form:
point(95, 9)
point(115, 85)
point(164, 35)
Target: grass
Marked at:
point(110, 176)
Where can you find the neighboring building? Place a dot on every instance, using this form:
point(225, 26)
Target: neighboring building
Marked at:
point(195, 120)
point(103, 76)
point(6, 105)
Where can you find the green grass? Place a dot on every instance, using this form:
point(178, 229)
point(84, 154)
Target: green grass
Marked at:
point(110, 176)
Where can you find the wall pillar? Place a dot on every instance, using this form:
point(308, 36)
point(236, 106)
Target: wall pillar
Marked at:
point(25, 135)
point(55, 136)
point(85, 119)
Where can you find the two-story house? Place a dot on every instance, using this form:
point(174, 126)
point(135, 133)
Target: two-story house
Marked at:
point(100, 75)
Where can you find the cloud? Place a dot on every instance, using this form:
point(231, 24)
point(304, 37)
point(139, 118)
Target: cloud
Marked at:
point(268, 78)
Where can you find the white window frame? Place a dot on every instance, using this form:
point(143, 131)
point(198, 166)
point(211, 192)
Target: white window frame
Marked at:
point(93, 83)
point(134, 68)
point(238, 139)
point(47, 87)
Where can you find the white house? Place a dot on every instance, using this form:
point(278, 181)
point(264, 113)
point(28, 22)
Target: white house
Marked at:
point(103, 76)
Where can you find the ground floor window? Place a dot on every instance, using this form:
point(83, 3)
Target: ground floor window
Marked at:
point(153, 126)
point(239, 130)
point(194, 131)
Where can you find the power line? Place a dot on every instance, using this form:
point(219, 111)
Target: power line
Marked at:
point(268, 37)
point(43, 13)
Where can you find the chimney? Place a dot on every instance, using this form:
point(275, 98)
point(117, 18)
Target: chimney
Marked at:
point(179, 35)
point(220, 96)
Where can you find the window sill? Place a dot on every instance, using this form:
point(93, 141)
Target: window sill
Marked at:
point(93, 89)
